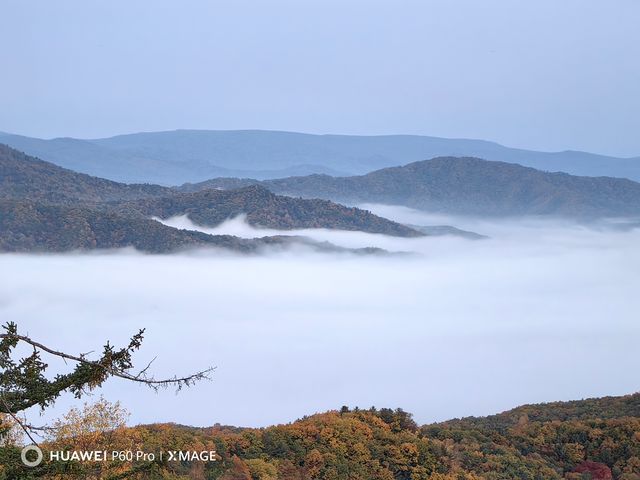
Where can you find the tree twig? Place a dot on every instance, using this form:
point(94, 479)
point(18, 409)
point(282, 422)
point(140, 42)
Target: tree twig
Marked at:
point(18, 421)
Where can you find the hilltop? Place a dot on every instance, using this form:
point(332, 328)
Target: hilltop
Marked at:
point(265, 209)
point(465, 186)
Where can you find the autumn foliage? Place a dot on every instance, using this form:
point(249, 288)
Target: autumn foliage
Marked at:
point(593, 439)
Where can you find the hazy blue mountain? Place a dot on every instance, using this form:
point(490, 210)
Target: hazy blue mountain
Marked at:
point(466, 186)
point(86, 157)
point(139, 166)
point(23, 177)
point(180, 156)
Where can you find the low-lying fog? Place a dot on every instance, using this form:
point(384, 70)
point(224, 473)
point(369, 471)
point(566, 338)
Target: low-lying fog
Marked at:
point(541, 311)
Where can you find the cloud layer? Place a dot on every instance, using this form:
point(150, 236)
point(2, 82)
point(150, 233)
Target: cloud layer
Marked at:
point(541, 311)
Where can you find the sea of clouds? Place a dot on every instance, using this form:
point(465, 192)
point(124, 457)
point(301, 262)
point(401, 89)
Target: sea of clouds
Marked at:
point(540, 311)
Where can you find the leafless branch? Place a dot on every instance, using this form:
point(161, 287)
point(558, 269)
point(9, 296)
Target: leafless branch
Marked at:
point(143, 372)
point(22, 425)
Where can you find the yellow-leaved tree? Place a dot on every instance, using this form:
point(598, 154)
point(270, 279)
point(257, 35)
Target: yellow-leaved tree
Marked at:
point(97, 426)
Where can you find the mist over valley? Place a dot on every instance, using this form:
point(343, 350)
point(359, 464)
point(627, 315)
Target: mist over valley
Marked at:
point(541, 310)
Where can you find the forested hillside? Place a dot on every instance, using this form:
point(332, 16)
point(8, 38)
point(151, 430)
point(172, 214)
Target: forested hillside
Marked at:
point(465, 186)
point(597, 439)
point(265, 209)
point(46, 208)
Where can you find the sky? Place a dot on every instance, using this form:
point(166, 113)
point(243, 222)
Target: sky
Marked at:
point(547, 75)
point(542, 311)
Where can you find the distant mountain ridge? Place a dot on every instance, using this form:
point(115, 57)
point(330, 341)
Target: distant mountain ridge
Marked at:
point(176, 157)
point(464, 186)
point(44, 207)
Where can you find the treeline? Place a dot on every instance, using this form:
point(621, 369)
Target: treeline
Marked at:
point(595, 439)
point(598, 439)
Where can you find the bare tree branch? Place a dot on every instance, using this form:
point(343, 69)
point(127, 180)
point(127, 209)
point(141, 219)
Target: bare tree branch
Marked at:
point(18, 421)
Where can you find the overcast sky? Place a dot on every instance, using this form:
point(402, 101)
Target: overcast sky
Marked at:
point(548, 74)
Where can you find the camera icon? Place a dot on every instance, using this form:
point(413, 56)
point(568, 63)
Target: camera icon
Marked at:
point(31, 463)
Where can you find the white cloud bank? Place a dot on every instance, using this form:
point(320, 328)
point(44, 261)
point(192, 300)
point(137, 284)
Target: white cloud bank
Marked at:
point(542, 311)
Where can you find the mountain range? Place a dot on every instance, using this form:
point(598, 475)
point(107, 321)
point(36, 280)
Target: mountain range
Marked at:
point(464, 186)
point(49, 208)
point(44, 207)
point(176, 157)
